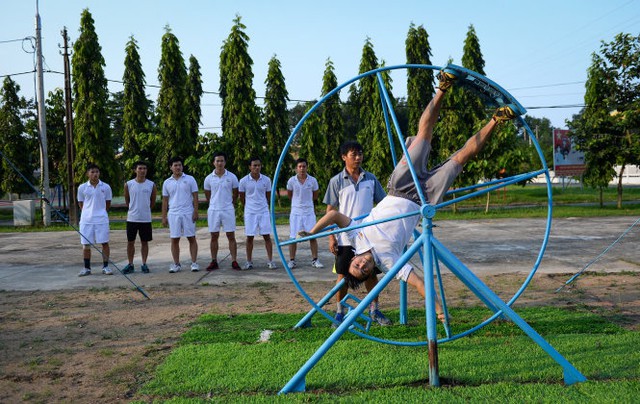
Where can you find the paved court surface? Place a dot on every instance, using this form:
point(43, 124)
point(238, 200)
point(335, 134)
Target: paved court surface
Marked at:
point(52, 260)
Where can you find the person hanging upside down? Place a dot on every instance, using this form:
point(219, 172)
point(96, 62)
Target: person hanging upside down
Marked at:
point(381, 245)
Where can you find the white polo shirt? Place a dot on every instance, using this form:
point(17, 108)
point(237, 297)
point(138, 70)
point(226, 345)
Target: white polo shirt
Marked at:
point(94, 202)
point(302, 200)
point(387, 240)
point(221, 190)
point(180, 193)
point(255, 193)
point(139, 201)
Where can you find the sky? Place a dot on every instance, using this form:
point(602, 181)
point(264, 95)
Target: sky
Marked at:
point(539, 51)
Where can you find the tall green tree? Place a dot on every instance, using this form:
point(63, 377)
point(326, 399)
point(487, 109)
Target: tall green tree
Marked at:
point(171, 110)
point(607, 130)
point(350, 115)
point(312, 140)
point(14, 142)
point(115, 112)
point(194, 98)
point(276, 122)
point(138, 143)
point(332, 124)
point(373, 134)
point(56, 137)
point(92, 135)
point(419, 81)
point(241, 123)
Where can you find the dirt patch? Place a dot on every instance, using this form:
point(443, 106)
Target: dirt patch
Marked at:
point(101, 345)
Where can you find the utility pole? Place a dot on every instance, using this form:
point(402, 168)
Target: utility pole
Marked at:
point(68, 130)
point(42, 126)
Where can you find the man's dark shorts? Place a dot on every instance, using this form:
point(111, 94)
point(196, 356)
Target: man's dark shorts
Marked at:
point(133, 228)
point(343, 260)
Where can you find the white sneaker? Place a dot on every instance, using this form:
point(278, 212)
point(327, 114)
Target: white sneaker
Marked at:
point(85, 272)
point(175, 268)
point(248, 265)
point(195, 267)
point(271, 265)
point(316, 264)
point(107, 271)
point(292, 264)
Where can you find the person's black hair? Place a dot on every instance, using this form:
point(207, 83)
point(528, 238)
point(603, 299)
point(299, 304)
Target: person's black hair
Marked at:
point(140, 163)
point(92, 166)
point(220, 154)
point(175, 159)
point(254, 158)
point(351, 281)
point(350, 145)
point(302, 160)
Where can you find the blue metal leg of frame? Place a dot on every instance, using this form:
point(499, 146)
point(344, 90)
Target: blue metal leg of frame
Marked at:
point(306, 320)
point(571, 374)
point(430, 305)
point(403, 303)
point(297, 382)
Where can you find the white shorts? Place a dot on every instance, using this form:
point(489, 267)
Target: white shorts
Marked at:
point(221, 218)
point(181, 225)
point(257, 223)
point(94, 233)
point(299, 223)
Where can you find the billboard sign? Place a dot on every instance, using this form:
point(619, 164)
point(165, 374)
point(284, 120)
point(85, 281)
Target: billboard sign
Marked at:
point(567, 161)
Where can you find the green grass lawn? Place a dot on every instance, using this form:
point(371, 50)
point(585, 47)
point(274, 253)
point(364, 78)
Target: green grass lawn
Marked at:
point(220, 360)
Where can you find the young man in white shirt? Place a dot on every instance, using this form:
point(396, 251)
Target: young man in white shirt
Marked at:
point(254, 191)
point(180, 212)
point(94, 199)
point(302, 189)
point(140, 197)
point(221, 191)
point(381, 245)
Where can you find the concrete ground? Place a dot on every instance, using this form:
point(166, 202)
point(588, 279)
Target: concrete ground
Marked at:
point(52, 260)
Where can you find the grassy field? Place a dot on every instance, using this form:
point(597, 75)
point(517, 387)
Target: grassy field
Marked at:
point(220, 359)
point(513, 202)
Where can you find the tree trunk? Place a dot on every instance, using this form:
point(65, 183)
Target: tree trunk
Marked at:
point(601, 198)
point(619, 204)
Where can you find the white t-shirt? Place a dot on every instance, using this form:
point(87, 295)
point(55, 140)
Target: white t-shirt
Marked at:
point(255, 198)
point(139, 201)
point(94, 202)
point(180, 193)
point(221, 190)
point(387, 240)
point(302, 200)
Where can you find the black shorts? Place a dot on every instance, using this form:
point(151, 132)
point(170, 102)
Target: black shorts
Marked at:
point(133, 228)
point(343, 260)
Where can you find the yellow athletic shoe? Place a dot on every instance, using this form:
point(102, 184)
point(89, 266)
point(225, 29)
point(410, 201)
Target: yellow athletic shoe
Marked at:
point(503, 114)
point(446, 79)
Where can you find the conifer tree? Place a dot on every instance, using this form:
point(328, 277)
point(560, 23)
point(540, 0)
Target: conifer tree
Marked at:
point(241, 123)
point(312, 140)
point(332, 125)
point(92, 135)
point(194, 97)
point(276, 122)
point(373, 135)
point(138, 143)
point(56, 137)
point(172, 114)
point(419, 81)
